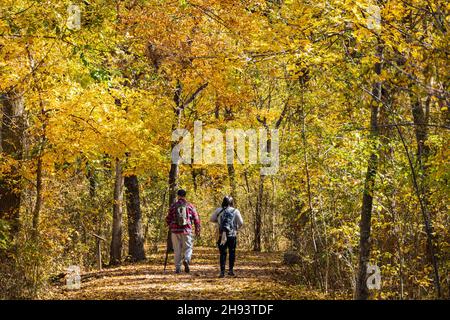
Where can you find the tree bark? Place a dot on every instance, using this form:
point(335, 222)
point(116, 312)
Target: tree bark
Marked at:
point(258, 215)
point(232, 176)
point(173, 183)
point(362, 292)
point(260, 198)
point(116, 238)
point(38, 204)
point(39, 178)
point(180, 105)
point(317, 269)
point(135, 231)
point(422, 190)
point(173, 174)
point(42, 141)
point(12, 131)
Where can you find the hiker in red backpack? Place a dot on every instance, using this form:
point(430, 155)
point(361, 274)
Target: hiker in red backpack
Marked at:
point(180, 218)
point(229, 220)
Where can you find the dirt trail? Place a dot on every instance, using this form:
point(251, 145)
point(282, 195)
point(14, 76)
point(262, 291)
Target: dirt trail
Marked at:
point(258, 276)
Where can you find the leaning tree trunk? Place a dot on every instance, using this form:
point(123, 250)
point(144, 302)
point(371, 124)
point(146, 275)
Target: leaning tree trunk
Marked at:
point(421, 185)
point(316, 262)
point(12, 131)
point(116, 238)
point(362, 292)
point(135, 231)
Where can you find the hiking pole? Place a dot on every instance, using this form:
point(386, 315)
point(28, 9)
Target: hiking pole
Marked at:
point(169, 248)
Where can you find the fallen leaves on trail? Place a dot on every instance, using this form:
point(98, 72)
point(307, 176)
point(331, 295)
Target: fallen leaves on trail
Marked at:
point(259, 276)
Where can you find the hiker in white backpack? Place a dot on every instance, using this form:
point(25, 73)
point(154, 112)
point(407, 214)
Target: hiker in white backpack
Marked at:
point(182, 215)
point(229, 221)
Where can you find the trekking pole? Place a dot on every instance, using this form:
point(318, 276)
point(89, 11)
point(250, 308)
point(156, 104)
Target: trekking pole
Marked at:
point(169, 248)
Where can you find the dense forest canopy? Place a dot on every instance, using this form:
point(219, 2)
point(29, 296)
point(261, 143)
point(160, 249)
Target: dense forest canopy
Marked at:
point(92, 90)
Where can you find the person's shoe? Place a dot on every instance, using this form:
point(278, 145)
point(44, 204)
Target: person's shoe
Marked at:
point(178, 271)
point(186, 266)
point(231, 273)
point(222, 274)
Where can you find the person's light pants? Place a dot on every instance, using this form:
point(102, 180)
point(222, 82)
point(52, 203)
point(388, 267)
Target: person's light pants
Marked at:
point(182, 248)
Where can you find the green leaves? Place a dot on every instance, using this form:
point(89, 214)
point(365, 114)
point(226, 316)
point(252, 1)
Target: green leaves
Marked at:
point(184, 4)
point(100, 75)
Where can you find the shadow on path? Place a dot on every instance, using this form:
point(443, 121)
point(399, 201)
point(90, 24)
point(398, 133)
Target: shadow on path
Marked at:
point(259, 276)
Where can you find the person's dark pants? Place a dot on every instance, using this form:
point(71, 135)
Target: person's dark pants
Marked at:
point(231, 246)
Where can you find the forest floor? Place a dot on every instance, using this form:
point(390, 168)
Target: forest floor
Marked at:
point(258, 276)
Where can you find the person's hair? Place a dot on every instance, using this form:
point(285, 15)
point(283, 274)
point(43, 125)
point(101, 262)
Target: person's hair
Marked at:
point(181, 193)
point(227, 201)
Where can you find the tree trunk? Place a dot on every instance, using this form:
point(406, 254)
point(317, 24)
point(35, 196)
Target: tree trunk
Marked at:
point(258, 215)
point(116, 238)
point(316, 263)
point(38, 204)
point(12, 131)
point(92, 181)
point(362, 292)
point(180, 105)
point(173, 177)
point(98, 217)
point(173, 174)
point(232, 176)
point(423, 151)
point(135, 232)
point(42, 141)
point(173, 183)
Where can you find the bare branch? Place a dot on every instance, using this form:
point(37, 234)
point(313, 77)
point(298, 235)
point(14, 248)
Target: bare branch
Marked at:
point(194, 95)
